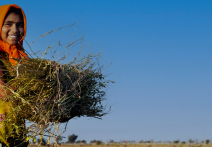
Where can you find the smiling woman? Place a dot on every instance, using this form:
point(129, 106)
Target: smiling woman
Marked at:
point(13, 27)
point(13, 30)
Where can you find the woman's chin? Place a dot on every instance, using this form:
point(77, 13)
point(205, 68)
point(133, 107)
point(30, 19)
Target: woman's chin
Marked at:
point(12, 42)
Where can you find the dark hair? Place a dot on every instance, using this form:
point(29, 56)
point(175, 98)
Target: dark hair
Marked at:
point(16, 11)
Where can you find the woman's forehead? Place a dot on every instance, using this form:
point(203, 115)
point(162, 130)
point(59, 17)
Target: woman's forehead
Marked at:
point(12, 17)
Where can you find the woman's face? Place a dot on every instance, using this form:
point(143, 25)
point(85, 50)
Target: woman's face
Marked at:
point(12, 29)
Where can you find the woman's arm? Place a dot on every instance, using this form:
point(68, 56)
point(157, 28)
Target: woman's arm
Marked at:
point(3, 92)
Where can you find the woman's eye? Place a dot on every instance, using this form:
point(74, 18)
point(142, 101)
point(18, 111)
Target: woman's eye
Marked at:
point(7, 24)
point(21, 25)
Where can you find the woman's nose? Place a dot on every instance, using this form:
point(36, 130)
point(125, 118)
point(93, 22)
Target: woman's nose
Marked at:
point(14, 28)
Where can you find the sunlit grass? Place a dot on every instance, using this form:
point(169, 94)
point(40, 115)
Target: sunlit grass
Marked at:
point(48, 93)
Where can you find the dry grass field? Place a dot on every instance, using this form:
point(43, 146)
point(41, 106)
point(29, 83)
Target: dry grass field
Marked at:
point(130, 145)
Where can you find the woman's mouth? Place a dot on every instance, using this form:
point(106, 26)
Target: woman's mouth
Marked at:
point(14, 36)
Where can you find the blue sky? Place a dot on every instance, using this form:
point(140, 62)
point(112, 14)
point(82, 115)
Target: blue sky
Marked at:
point(161, 63)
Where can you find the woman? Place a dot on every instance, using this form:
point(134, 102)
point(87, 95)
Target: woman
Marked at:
point(13, 31)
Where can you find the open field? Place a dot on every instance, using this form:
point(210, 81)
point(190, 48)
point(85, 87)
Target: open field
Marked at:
point(131, 145)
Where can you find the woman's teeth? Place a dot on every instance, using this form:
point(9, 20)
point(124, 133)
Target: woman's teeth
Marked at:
point(13, 36)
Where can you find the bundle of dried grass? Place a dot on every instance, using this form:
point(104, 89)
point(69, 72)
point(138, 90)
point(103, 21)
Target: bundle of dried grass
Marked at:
point(46, 91)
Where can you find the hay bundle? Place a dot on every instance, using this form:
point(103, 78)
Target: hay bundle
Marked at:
point(45, 91)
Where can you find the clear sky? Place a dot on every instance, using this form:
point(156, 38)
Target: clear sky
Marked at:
point(161, 54)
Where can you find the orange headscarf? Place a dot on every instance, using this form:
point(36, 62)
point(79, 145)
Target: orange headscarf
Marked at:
point(14, 51)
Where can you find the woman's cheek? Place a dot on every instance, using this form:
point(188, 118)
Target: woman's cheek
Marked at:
point(22, 32)
point(4, 31)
